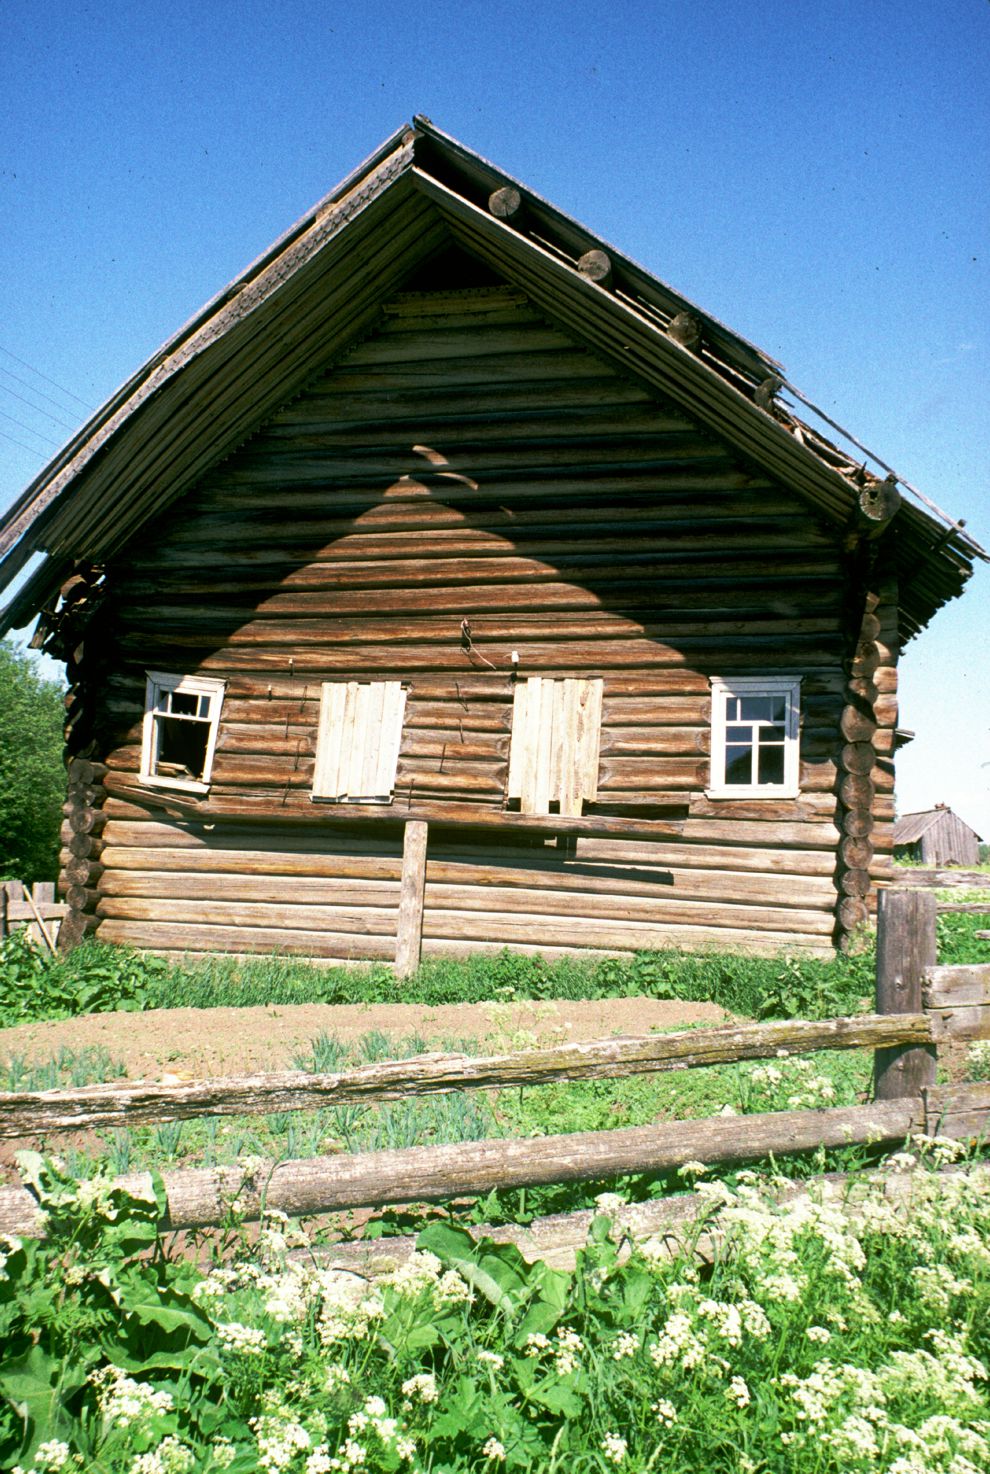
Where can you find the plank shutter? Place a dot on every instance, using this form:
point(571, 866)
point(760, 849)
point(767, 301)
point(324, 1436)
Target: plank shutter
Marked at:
point(556, 728)
point(357, 749)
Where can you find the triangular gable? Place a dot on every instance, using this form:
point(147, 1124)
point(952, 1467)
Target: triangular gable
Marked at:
point(322, 286)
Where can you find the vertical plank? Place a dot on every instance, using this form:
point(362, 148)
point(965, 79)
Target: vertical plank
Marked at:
point(349, 737)
point(3, 910)
point(333, 702)
point(544, 750)
point(393, 712)
point(370, 741)
point(412, 890)
point(517, 741)
point(588, 740)
point(905, 950)
point(567, 787)
point(559, 755)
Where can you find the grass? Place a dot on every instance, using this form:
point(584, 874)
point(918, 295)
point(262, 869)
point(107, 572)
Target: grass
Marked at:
point(98, 978)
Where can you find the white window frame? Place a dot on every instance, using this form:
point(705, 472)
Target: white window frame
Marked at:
point(724, 688)
point(357, 750)
point(158, 684)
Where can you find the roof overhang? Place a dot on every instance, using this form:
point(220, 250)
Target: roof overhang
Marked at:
point(322, 285)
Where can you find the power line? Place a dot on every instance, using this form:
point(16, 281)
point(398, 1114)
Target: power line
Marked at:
point(29, 428)
point(67, 424)
point(32, 450)
point(40, 392)
point(24, 364)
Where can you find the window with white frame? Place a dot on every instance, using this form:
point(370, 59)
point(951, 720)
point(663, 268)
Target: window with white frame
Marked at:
point(181, 719)
point(556, 733)
point(755, 737)
point(357, 745)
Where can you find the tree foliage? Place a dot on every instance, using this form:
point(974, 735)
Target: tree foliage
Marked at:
point(32, 776)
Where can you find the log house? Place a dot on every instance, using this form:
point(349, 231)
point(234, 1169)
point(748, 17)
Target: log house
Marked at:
point(449, 583)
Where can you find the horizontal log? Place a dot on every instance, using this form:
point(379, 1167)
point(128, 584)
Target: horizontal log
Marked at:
point(705, 923)
point(671, 1223)
point(329, 879)
point(184, 938)
point(47, 910)
point(202, 1197)
point(274, 571)
point(946, 987)
point(447, 813)
point(33, 1112)
point(363, 920)
point(164, 848)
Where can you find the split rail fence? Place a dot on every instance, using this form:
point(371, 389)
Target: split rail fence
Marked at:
point(36, 909)
point(920, 1008)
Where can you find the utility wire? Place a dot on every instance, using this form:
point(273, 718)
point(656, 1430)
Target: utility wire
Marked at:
point(48, 415)
point(29, 428)
point(24, 364)
point(40, 392)
point(31, 449)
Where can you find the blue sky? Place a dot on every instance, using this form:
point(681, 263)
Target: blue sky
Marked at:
point(814, 173)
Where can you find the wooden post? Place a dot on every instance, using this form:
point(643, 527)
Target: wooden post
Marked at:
point(409, 932)
point(3, 910)
point(905, 950)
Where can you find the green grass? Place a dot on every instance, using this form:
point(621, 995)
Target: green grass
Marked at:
point(98, 978)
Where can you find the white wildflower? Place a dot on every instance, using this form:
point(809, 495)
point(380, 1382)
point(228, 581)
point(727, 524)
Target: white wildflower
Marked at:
point(738, 1392)
point(614, 1448)
point(242, 1340)
point(665, 1411)
point(567, 1351)
point(494, 1451)
point(624, 1345)
point(821, 1334)
point(421, 1388)
point(51, 1455)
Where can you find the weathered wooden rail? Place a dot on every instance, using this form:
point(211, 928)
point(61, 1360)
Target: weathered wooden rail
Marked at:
point(34, 908)
point(920, 1006)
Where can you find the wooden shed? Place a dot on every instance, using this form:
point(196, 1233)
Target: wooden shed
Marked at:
point(449, 577)
point(936, 837)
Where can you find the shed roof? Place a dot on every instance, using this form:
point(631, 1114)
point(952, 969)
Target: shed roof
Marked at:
point(910, 827)
point(323, 283)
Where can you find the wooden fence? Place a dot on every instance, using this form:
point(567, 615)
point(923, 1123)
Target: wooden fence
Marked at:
point(36, 909)
point(920, 1008)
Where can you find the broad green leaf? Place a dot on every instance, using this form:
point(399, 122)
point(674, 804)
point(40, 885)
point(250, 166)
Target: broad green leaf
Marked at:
point(36, 1386)
point(497, 1271)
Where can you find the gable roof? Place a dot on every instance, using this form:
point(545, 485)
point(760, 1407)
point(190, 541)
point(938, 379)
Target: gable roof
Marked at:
point(911, 827)
point(321, 286)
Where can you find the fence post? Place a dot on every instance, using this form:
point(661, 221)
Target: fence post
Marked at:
point(905, 950)
point(412, 890)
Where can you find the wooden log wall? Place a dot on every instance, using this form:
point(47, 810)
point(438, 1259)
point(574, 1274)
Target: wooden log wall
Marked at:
point(467, 461)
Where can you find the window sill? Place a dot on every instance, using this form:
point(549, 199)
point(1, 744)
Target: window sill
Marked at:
point(177, 785)
point(751, 792)
point(319, 798)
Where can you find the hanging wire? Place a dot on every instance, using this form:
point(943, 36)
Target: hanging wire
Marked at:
point(959, 527)
point(31, 449)
point(55, 385)
point(68, 425)
point(29, 428)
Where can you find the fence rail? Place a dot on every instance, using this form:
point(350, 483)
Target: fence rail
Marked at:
point(34, 908)
point(919, 1007)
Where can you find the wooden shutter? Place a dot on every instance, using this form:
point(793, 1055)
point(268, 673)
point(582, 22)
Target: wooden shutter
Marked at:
point(357, 749)
point(556, 731)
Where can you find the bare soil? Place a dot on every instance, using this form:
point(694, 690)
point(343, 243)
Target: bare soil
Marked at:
point(202, 1042)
